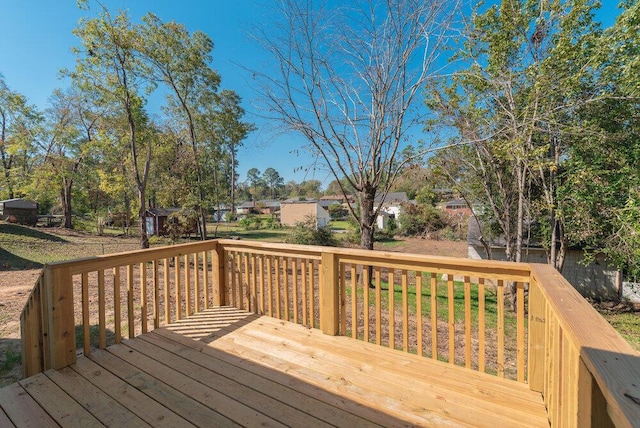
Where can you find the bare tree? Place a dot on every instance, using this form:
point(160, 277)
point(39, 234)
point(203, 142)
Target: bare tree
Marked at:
point(348, 80)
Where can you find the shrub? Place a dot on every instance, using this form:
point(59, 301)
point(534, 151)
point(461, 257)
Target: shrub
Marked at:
point(420, 220)
point(306, 233)
point(179, 224)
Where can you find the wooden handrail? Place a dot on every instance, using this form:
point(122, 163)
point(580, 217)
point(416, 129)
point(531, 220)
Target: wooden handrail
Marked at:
point(588, 374)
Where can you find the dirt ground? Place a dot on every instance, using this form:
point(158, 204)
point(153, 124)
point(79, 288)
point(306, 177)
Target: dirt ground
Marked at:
point(15, 287)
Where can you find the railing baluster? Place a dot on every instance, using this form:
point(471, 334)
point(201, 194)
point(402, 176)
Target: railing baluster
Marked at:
point(167, 294)
point(156, 295)
point(270, 286)
point(247, 279)
point(239, 283)
point(130, 319)
point(452, 318)
point(143, 296)
point(481, 326)
point(312, 294)
point(86, 322)
point(278, 282)
point(294, 289)
point(365, 301)
point(354, 302)
point(434, 316)
point(205, 279)
point(392, 308)
point(117, 316)
point(521, 351)
point(233, 278)
point(178, 296)
point(187, 284)
point(467, 322)
point(303, 274)
point(261, 272)
point(500, 362)
point(343, 300)
point(286, 289)
point(196, 282)
point(102, 327)
point(405, 311)
point(419, 326)
point(378, 306)
point(254, 284)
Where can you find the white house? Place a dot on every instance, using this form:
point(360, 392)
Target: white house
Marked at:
point(390, 208)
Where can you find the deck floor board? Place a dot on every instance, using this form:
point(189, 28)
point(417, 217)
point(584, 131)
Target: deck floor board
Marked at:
point(226, 367)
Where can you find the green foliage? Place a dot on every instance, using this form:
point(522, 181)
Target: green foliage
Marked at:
point(9, 361)
point(250, 222)
point(337, 211)
point(306, 233)
point(419, 220)
point(180, 224)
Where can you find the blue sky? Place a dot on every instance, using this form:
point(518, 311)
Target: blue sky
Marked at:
point(36, 41)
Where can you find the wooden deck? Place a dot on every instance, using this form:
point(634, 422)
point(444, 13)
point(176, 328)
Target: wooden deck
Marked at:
point(226, 367)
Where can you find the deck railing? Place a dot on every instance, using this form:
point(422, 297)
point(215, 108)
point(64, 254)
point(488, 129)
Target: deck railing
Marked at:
point(442, 308)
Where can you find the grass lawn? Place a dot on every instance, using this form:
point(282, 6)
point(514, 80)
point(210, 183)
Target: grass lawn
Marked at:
point(232, 230)
point(627, 324)
point(442, 299)
point(340, 225)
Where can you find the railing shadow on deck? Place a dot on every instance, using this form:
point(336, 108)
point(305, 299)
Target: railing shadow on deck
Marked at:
point(213, 372)
point(542, 344)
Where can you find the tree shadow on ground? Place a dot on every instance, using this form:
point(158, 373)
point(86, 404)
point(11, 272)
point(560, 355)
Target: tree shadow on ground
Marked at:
point(10, 361)
point(14, 229)
point(9, 261)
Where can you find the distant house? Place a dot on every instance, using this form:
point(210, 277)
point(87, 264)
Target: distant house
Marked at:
point(457, 207)
point(157, 219)
point(18, 210)
point(220, 214)
point(245, 207)
point(267, 206)
point(341, 199)
point(390, 208)
point(297, 212)
point(597, 280)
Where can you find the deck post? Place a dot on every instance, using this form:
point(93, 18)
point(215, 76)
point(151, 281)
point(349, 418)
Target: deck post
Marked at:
point(58, 318)
point(329, 294)
point(537, 363)
point(219, 280)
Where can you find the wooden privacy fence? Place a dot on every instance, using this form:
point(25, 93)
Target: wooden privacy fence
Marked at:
point(446, 309)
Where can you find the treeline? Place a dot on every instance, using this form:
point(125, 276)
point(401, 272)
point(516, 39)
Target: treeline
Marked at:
point(544, 110)
point(97, 148)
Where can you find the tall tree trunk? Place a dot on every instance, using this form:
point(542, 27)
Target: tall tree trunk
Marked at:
point(367, 217)
point(233, 180)
point(65, 200)
point(144, 238)
point(521, 178)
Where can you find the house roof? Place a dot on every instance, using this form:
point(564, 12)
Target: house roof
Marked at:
point(269, 203)
point(392, 197)
point(456, 202)
point(163, 212)
point(296, 200)
point(19, 203)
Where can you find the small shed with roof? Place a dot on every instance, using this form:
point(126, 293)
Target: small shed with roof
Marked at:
point(23, 211)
